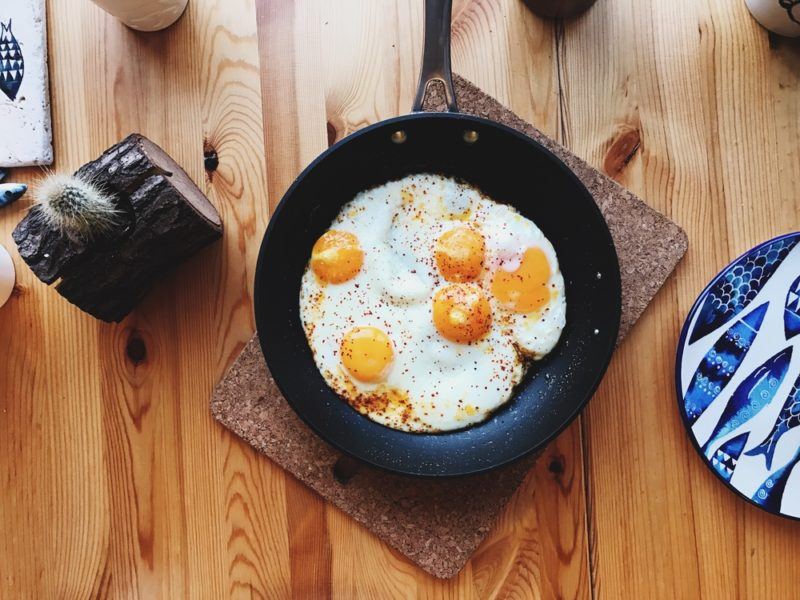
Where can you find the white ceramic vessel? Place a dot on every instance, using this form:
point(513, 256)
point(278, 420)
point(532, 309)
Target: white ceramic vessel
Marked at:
point(145, 15)
point(780, 16)
point(7, 276)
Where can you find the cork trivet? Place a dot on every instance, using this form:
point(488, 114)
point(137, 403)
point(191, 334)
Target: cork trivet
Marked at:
point(439, 524)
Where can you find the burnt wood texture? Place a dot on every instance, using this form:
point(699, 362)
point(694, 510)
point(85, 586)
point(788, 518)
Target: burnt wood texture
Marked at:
point(165, 219)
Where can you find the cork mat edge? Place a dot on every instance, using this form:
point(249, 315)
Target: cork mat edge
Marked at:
point(440, 541)
point(373, 498)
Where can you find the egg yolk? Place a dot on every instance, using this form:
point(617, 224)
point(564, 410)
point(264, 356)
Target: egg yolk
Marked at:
point(524, 290)
point(459, 254)
point(337, 256)
point(461, 313)
point(367, 353)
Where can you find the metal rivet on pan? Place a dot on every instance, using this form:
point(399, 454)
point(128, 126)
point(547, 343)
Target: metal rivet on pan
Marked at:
point(470, 136)
point(398, 137)
point(599, 275)
point(596, 331)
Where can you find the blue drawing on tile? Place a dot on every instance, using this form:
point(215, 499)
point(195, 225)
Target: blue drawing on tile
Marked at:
point(739, 285)
point(12, 65)
point(721, 362)
point(11, 192)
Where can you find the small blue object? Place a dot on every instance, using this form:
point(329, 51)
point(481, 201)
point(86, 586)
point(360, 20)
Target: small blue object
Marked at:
point(3, 174)
point(737, 375)
point(11, 192)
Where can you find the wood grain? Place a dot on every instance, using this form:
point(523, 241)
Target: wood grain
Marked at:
point(375, 79)
point(116, 481)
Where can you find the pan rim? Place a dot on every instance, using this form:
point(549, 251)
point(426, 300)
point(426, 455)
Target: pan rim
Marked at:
point(606, 352)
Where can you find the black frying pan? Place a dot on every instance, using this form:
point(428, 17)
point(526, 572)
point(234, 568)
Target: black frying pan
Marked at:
point(510, 168)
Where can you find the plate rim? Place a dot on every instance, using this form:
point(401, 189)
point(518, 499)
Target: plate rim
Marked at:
point(678, 380)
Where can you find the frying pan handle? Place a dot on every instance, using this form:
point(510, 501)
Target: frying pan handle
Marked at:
point(436, 54)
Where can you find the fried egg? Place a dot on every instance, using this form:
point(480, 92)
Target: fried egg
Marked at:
point(425, 302)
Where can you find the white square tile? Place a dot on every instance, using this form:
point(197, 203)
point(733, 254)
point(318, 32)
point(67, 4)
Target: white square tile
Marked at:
point(24, 89)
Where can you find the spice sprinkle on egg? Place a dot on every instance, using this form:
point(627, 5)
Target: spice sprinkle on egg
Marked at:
point(426, 301)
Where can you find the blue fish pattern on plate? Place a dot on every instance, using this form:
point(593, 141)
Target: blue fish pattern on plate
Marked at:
point(750, 398)
point(769, 495)
point(739, 284)
point(726, 457)
point(754, 411)
point(721, 362)
point(788, 419)
point(791, 311)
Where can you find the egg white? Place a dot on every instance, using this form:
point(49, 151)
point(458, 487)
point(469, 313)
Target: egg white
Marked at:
point(433, 384)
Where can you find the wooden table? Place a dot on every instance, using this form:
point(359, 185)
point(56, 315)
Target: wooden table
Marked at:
point(117, 482)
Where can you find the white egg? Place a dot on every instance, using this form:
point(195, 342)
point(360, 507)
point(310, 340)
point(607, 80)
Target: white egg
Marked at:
point(508, 235)
point(425, 382)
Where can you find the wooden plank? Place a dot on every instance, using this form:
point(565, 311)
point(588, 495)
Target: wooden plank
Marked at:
point(116, 480)
point(692, 80)
point(333, 68)
point(632, 489)
point(143, 492)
